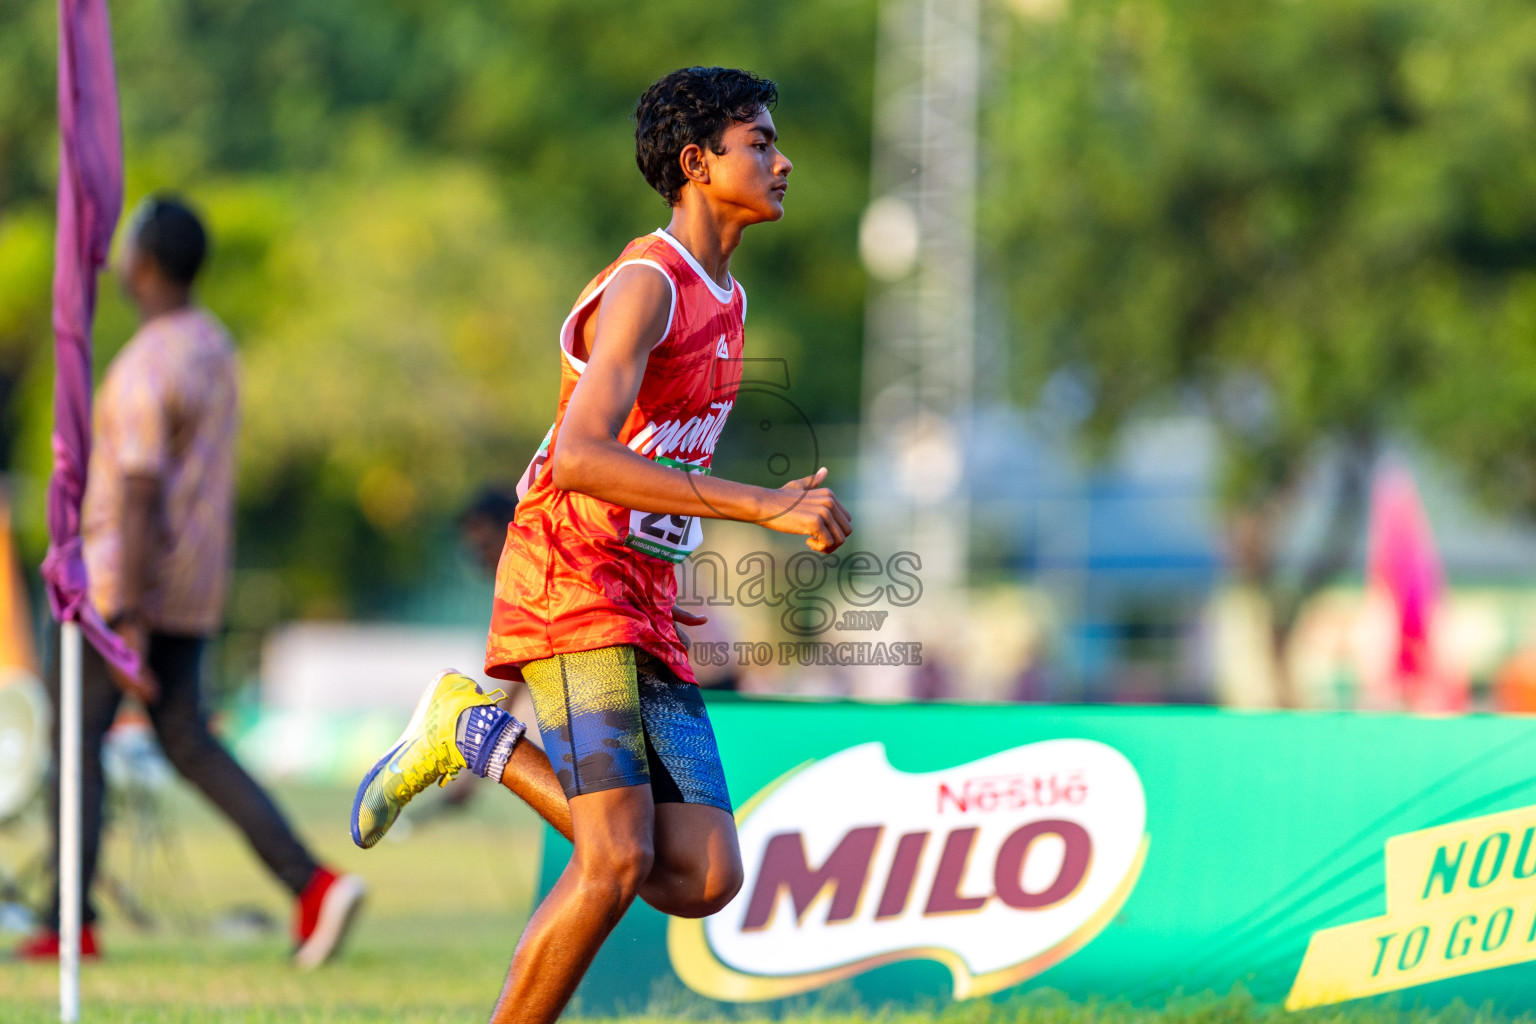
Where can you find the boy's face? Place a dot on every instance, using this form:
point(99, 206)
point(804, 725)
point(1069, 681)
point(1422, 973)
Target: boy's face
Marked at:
point(751, 175)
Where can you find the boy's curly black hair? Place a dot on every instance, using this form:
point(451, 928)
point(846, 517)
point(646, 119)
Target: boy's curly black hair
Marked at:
point(692, 106)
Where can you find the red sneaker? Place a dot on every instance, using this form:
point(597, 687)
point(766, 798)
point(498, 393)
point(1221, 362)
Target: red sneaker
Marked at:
point(323, 913)
point(44, 945)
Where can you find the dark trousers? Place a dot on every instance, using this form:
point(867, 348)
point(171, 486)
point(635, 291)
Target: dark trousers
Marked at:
point(182, 728)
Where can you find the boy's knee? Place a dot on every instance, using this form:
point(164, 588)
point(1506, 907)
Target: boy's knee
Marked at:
point(720, 888)
point(730, 885)
point(623, 863)
point(709, 888)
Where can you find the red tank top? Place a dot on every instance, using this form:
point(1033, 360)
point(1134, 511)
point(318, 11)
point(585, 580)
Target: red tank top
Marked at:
point(578, 573)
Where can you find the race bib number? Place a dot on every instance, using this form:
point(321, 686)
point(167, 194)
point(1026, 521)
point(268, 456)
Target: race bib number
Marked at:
point(670, 538)
point(525, 482)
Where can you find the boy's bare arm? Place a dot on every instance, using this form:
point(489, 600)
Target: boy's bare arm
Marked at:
point(631, 318)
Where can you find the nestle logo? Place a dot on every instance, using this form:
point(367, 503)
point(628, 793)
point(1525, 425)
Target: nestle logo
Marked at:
point(1012, 792)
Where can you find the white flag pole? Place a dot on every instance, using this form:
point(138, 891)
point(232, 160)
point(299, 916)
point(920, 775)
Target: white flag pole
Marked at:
point(69, 822)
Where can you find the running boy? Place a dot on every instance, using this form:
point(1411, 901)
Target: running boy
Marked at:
point(584, 591)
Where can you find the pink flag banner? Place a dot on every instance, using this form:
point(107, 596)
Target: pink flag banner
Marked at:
point(90, 199)
point(1402, 560)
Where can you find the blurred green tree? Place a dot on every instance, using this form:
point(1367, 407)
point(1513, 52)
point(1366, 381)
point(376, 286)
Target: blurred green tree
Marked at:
point(1316, 219)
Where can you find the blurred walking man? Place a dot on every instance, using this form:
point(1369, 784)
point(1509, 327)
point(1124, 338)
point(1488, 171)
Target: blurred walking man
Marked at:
point(584, 606)
point(156, 526)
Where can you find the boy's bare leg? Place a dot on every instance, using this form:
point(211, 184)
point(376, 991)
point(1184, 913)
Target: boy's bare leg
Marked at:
point(529, 776)
point(696, 865)
point(613, 837)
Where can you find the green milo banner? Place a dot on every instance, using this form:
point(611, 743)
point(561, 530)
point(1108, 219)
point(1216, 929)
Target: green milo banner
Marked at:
point(921, 852)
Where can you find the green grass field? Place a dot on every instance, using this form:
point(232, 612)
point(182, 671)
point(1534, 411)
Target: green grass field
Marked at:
point(447, 901)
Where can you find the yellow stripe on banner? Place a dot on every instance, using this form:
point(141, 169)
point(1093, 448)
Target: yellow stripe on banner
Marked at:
point(1459, 901)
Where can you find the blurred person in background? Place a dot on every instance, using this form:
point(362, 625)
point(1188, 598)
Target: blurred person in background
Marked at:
point(483, 527)
point(156, 526)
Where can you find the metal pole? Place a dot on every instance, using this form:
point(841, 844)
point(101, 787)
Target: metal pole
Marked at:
point(918, 240)
point(69, 822)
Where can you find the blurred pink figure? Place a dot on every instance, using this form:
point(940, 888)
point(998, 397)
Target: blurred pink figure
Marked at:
point(1402, 563)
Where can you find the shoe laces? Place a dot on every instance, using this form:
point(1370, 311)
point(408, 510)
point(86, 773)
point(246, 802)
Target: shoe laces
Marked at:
point(421, 772)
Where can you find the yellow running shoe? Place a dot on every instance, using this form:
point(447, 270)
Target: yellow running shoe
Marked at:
point(425, 753)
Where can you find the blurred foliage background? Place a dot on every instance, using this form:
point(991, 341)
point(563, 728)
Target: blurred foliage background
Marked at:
point(405, 198)
point(1312, 220)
